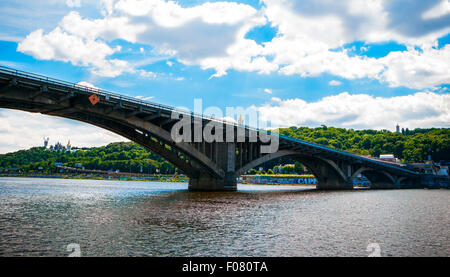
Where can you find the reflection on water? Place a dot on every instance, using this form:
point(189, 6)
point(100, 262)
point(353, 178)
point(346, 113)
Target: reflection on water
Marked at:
point(40, 217)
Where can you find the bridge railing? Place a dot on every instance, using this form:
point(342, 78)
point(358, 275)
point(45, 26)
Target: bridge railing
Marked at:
point(42, 78)
point(109, 94)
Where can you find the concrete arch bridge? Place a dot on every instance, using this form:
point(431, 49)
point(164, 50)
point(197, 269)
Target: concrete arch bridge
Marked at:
point(210, 164)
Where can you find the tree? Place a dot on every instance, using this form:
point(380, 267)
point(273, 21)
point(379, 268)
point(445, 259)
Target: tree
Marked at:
point(413, 146)
point(252, 171)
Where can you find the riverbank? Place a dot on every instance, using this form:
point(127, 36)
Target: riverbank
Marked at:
point(156, 178)
point(160, 178)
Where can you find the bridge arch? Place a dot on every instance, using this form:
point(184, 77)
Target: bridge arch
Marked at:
point(328, 174)
point(210, 165)
point(379, 179)
point(185, 157)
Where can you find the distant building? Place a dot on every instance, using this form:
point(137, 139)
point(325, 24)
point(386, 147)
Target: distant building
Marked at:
point(241, 120)
point(46, 142)
point(69, 146)
point(429, 167)
point(57, 147)
point(389, 158)
point(397, 129)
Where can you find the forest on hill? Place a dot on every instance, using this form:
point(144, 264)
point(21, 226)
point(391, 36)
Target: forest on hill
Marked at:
point(409, 146)
point(122, 156)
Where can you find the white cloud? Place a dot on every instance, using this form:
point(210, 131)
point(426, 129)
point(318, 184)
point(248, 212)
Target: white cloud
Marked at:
point(228, 119)
point(338, 22)
point(107, 7)
point(336, 63)
point(441, 9)
point(268, 90)
point(147, 74)
point(276, 99)
point(62, 46)
point(360, 111)
point(417, 69)
point(108, 28)
point(86, 84)
point(309, 30)
point(33, 127)
point(212, 35)
point(335, 83)
point(144, 98)
point(73, 3)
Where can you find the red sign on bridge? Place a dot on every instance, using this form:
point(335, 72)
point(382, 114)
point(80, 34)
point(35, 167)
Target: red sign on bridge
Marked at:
point(94, 99)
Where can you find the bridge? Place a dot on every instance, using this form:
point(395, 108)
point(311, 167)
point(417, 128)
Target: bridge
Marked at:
point(209, 164)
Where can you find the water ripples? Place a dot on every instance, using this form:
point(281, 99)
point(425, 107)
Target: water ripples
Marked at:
point(40, 217)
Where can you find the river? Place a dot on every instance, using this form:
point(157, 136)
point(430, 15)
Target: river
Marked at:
point(41, 217)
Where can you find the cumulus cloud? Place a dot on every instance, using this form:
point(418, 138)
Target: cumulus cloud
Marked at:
point(144, 98)
point(407, 19)
point(34, 127)
point(310, 30)
point(213, 36)
point(441, 9)
point(417, 69)
point(228, 119)
point(335, 83)
point(73, 3)
point(361, 111)
point(62, 46)
point(210, 35)
point(339, 22)
point(87, 84)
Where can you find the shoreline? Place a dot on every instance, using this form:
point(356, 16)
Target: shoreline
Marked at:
point(166, 179)
point(77, 177)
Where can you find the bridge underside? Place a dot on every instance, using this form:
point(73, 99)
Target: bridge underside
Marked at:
point(209, 165)
point(329, 175)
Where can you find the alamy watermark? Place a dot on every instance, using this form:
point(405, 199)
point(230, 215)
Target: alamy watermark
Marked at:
point(75, 250)
point(373, 249)
point(223, 127)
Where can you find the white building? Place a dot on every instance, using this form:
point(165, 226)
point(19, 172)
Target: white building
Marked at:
point(388, 158)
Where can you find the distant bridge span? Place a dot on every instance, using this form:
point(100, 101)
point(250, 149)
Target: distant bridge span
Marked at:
point(209, 165)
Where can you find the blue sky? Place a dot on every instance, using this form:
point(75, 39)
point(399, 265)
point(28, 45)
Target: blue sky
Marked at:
point(351, 64)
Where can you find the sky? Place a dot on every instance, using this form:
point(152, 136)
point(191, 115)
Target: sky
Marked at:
point(352, 64)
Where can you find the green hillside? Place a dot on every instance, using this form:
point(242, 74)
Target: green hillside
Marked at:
point(123, 156)
point(410, 146)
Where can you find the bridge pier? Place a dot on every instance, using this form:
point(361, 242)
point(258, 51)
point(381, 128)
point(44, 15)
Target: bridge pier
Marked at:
point(224, 154)
point(205, 182)
point(328, 177)
point(333, 183)
point(380, 180)
point(383, 185)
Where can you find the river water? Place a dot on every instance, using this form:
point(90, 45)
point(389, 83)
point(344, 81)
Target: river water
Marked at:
point(41, 217)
